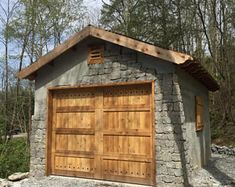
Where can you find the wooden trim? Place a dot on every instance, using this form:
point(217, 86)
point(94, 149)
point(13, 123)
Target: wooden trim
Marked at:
point(76, 38)
point(99, 85)
point(165, 54)
point(75, 109)
point(142, 47)
point(48, 132)
point(73, 173)
point(126, 133)
point(127, 109)
point(127, 158)
point(76, 154)
point(78, 131)
point(153, 134)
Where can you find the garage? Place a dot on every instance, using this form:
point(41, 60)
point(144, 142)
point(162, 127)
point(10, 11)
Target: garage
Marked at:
point(102, 132)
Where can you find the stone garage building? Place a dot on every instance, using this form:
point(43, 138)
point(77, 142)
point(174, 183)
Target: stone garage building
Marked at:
point(113, 108)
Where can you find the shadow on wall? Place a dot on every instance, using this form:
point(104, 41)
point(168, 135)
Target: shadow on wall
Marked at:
point(172, 99)
point(176, 115)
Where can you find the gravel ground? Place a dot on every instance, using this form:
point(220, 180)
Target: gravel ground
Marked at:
point(56, 181)
point(219, 173)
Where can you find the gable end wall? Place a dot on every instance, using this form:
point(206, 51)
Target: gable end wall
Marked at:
point(120, 65)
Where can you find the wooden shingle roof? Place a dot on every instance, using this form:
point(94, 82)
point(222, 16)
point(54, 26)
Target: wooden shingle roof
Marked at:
point(185, 61)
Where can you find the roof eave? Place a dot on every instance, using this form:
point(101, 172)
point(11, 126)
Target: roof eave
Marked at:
point(57, 51)
point(185, 61)
point(196, 70)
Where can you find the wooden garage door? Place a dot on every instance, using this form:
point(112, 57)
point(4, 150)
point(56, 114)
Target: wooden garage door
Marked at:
point(102, 133)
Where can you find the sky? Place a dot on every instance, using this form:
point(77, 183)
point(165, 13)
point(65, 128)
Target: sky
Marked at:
point(93, 3)
point(92, 17)
point(93, 10)
point(93, 7)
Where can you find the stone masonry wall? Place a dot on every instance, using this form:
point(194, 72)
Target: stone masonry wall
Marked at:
point(172, 151)
point(172, 159)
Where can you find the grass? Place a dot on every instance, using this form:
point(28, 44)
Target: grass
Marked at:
point(14, 157)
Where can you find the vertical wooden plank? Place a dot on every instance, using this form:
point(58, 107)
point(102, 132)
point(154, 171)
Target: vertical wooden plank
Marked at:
point(98, 134)
point(53, 136)
point(153, 150)
point(48, 132)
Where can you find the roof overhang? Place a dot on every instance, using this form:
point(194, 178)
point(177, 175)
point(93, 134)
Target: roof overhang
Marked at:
point(183, 60)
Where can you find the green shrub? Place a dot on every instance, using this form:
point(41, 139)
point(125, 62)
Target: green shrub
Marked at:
point(14, 157)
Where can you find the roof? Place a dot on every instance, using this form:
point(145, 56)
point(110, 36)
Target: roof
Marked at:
point(186, 62)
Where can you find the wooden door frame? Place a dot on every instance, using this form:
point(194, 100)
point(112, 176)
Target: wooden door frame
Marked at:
point(50, 91)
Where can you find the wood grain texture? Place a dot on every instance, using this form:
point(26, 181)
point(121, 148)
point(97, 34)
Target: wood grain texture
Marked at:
point(48, 132)
point(165, 54)
point(103, 133)
point(199, 110)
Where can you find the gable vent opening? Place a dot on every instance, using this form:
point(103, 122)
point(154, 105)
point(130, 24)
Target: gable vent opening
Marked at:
point(95, 55)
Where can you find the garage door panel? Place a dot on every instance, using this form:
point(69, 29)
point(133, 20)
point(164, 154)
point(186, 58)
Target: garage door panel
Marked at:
point(83, 98)
point(74, 143)
point(103, 133)
point(124, 169)
point(126, 96)
point(127, 145)
point(75, 120)
point(76, 164)
point(127, 120)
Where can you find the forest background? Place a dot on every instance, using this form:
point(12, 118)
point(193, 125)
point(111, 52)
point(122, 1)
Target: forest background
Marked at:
point(29, 29)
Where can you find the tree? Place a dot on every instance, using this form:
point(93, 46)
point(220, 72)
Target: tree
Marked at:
point(5, 18)
point(204, 29)
point(31, 28)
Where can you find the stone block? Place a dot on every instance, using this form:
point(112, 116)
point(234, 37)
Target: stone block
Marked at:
point(115, 75)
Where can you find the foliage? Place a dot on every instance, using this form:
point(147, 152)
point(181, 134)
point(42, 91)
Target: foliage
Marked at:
point(204, 29)
point(29, 29)
point(14, 157)
point(20, 121)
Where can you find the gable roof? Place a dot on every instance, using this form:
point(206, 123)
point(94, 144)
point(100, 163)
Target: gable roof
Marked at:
point(185, 61)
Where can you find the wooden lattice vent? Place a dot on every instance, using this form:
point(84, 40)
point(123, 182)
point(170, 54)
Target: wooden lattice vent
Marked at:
point(96, 54)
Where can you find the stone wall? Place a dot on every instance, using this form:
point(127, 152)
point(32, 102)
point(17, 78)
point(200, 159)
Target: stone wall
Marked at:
point(223, 150)
point(121, 65)
point(173, 159)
